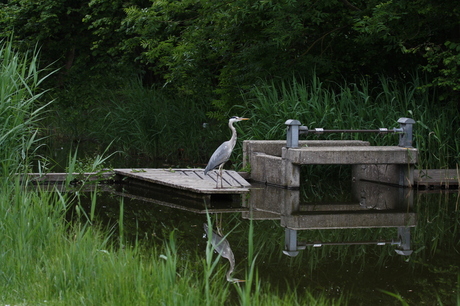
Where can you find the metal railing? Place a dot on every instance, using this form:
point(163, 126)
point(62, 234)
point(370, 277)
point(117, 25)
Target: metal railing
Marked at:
point(294, 129)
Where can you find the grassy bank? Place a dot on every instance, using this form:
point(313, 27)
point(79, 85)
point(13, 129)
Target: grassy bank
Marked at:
point(47, 260)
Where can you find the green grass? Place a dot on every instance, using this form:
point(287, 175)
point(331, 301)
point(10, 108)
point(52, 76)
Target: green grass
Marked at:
point(46, 259)
point(20, 109)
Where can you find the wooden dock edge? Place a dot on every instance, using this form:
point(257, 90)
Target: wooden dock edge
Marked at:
point(423, 179)
point(437, 179)
point(62, 177)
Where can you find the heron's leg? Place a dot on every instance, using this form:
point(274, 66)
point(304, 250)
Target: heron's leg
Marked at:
point(220, 171)
point(219, 224)
point(217, 178)
point(221, 177)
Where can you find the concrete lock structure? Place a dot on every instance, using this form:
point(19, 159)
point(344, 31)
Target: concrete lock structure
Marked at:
point(277, 162)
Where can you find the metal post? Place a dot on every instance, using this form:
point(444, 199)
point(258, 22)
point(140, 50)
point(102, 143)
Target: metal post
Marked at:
point(405, 138)
point(291, 246)
point(404, 237)
point(292, 137)
point(290, 242)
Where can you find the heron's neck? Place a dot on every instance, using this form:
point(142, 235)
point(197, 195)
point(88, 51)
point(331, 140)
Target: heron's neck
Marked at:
point(231, 259)
point(233, 139)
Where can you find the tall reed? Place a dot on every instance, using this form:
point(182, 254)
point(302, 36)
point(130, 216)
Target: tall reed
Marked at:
point(20, 109)
point(359, 105)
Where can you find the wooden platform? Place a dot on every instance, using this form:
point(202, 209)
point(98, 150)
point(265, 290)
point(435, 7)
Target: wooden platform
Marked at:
point(195, 181)
point(436, 179)
point(192, 180)
point(62, 177)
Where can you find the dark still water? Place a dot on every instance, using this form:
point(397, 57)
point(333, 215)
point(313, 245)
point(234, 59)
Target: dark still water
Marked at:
point(368, 242)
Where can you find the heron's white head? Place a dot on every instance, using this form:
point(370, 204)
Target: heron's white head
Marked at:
point(236, 119)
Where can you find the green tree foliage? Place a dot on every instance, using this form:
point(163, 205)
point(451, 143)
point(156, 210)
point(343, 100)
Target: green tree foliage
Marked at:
point(425, 30)
point(81, 37)
point(111, 41)
point(55, 25)
point(444, 60)
point(215, 49)
point(219, 48)
point(222, 48)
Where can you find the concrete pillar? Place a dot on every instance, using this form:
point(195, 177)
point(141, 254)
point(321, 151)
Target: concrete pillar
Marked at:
point(405, 138)
point(292, 135)
point(291, 172)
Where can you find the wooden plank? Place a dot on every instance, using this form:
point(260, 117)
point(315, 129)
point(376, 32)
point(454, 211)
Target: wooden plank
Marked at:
point(190, 179)
point(437, 178)
point(61, 177)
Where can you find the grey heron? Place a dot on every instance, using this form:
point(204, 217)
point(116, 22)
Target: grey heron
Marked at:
point(223, 152)
point(222, 247)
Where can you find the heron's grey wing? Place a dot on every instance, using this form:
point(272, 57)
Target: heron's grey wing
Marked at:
point(220, 156)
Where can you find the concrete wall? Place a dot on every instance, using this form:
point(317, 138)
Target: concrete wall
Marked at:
point(274, 147)
point(273, 164)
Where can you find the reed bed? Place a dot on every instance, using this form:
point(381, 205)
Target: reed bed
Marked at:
point(359, 105)
point(158, 124)
point(20, 109)
point(48, 260)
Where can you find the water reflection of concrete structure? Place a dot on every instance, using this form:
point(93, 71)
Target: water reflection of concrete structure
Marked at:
point(374, 206)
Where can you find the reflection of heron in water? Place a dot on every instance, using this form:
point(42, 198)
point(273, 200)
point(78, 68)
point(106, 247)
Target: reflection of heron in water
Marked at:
point(222, 247)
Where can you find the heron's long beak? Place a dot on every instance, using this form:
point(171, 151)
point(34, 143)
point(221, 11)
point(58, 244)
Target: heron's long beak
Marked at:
point(235, 280)
point(244, 118)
